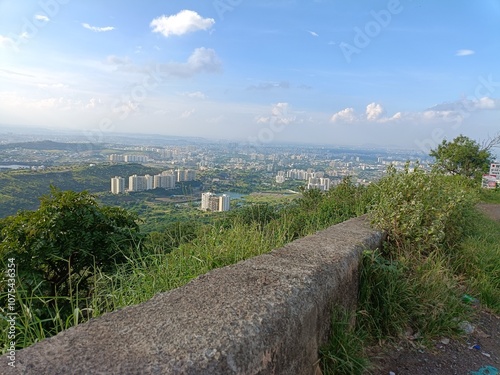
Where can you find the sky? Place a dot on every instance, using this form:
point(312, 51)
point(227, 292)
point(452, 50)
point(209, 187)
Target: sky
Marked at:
point(404, 73)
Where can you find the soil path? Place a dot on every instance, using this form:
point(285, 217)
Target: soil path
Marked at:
point(492, 210)
point(477, 353)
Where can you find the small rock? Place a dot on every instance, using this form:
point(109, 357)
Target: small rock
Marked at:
point(445, 341)
point(392, 373)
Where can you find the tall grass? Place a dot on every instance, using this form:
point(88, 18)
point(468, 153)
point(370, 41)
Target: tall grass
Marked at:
point(344, 352)
point(478, 260)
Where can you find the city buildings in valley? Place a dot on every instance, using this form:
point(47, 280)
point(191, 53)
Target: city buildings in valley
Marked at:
point(215, 203)
point(165, 180)
point(118, 158)
point(320, 183)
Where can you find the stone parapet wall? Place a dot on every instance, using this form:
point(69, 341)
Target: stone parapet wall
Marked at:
point(265, 315)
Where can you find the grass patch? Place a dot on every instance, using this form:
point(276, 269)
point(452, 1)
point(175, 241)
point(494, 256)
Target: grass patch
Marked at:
point(490, 195)
point(344, 353)
point(478, 260)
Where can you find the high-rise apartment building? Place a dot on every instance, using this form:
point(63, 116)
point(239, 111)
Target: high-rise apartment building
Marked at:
point(318, 183)
point(185, 175)
point(165, 180)
point(215, 203)
point(117, 185)
point(116, 158)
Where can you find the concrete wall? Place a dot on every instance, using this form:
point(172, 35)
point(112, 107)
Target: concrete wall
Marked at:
point(266, 315)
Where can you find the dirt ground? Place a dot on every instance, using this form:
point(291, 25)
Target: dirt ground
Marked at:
point(476, 353)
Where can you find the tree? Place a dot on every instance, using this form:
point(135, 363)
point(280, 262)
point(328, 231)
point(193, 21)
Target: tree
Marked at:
point(57, 246)
point(462, 156)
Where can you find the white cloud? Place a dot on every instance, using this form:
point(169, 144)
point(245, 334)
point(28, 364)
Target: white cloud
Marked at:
point(312, 33)
point(487, 103)
point(195, 95)
point(468, 105)
point(280, 114)
point(270, 86)
point(374, 111)
point(188, 113)
point(464, 52)
point(345, 115)
point(126, 108)
point(115, 60)
point(186, 21)
point(41, 17)
point(97, 29)
point(201, 60)
point(451, 112)
point(5, 41)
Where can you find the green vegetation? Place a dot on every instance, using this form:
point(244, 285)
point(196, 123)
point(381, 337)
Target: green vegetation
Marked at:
point(438, 249)
point(57, 248)
point(343, 354)
point(463, 156)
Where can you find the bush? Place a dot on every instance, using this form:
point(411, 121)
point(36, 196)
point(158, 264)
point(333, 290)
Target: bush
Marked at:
point(422, 211)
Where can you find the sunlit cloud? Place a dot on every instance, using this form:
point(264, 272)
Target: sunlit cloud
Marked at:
point(451, 112)
point(97, 29)
point(186, 21)
point(464, 52)
point(41, 17)
point(5, 41)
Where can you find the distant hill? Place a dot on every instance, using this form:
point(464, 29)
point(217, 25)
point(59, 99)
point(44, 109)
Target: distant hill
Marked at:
point(51, 145)
point(21, 189)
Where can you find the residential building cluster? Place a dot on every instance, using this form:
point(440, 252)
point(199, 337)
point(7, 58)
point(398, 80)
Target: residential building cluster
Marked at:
point(315, 180)
point(320, 183)
point(117, 158)
point(165, 180)
point(215, 203)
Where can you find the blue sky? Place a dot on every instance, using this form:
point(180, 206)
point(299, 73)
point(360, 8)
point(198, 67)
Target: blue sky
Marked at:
point(406, 73)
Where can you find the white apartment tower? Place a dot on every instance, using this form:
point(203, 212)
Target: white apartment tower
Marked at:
point(117, 185)
point(166, 180)
point(224, 202)
point(215, 203)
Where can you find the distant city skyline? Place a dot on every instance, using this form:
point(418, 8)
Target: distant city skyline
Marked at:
point(406, 73)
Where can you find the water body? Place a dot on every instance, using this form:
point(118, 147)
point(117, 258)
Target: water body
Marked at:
point(14, 166)
point(234, 195)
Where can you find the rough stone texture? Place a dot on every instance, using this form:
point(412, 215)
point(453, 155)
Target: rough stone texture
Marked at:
point(265, 315)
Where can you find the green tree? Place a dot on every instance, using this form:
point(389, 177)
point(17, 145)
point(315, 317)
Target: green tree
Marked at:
point(463, 156)
point(57, 246)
